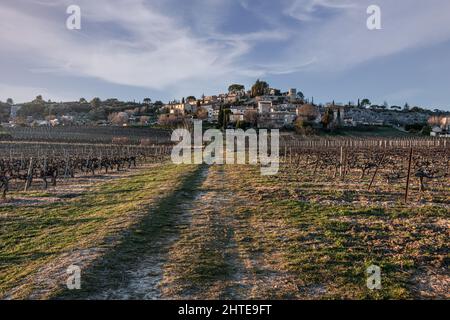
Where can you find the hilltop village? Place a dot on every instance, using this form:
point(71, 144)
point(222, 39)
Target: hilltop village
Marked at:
point(259, 107)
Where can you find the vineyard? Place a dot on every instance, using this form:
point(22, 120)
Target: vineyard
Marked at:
point(395, 167)
point(400, 168)
point(88, 134)
point(26, 165)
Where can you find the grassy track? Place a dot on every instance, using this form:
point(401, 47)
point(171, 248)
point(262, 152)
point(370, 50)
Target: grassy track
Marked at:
point(33, 237)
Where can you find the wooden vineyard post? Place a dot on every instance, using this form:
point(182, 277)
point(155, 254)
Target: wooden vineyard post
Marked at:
point(29, 175)
point(409, 174)
point(341, 162)
point(345, 164)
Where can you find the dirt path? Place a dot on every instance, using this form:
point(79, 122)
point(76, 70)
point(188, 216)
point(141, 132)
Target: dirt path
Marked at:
point(199, 243)
point(211, 247)
point(206, 262)
point(194, 254)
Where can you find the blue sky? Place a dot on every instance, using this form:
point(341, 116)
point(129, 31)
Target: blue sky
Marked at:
point(166, 49)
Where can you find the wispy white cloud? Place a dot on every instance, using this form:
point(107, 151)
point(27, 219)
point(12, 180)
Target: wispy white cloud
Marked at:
point(305, 10)
point(154, 52)
point(140, 43)
point(342, 40)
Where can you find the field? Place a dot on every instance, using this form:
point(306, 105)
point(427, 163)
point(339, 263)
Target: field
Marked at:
point(160, 230)
point(380, 131)
point(25, 163)
point(88, 134)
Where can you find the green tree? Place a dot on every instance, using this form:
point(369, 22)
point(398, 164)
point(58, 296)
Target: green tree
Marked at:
point(9, 101)
point(235, 88)
point(97, 114)
point(38, 99)
point(365, 103)
point(259, 88)
point(226, 118)
point(95, 103)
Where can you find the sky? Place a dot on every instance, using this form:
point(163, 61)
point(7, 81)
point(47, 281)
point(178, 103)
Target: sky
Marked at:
point(168, 49)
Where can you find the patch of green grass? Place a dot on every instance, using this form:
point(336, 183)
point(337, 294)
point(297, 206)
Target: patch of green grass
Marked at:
point(160, 220)
point(345, 248)
point(32, 236)
point(331, 246)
